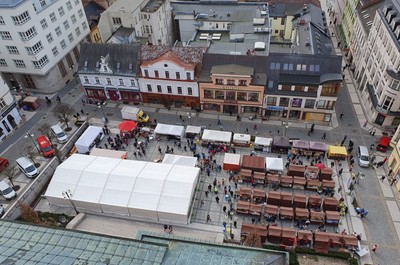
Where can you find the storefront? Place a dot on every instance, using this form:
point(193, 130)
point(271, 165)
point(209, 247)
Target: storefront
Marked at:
point(113, 94)
point(171, 100)
point(10, 119)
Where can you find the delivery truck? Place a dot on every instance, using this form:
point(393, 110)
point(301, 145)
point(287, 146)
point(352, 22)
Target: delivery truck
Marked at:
point(135, 114)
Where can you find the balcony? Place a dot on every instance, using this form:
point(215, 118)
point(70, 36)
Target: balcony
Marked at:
point(374, 100)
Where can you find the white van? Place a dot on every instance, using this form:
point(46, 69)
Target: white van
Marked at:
point(59, 134)
point(7, 192)
point(363, 156)
point(27, 167)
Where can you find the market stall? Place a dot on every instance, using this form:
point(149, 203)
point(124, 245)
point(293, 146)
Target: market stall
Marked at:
point(271, 210)
point(317, 217)
point(254, 163)
point(242, 140)
point(255, 209)
point(299, 183)
point(286, 181)
point(311, 172)
point(328, 184)
point(299, 200)
point(259, 195)
point(216, 137)
point(319, 147)
point(286, 213)
point(30, 103)
point(243, 207)
point(245, 175)
point(330, 204)
point(89, 139)
point(262, 144)
point(314, 202)
point(244, 194)
point(273, 180)
point(326, 173)
point(288, 236)
point(280, 144)
point(127, 127)
point(231, 162)
point(259, 230)
point(274, 234)
point(337, 152)
point(296, 170)
point(259, 178)
point(301, 144)
point(324, 241)
point(313, 184)
point(332, 217)
point(274, 164)
point(301, 214)
point(169, 131)
point(304, 238)
point(286, 199)
point(274, 198)
point(193, 132)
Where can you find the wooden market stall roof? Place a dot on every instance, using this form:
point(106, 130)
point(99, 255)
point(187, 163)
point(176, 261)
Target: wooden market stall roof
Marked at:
point(255, 163)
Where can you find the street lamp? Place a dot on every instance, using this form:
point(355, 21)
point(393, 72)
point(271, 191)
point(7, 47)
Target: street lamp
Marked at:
point(68, 195)
point(31, 135)
point(231, 218)
point(100, 106)
point(286, 127)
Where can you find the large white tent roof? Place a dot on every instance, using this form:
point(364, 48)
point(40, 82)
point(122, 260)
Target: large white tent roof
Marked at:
point(125, 187)
point(263, 141)
point(193, 129)
point(274, 163)
point(189, 161)
point(232, 159)
point(167, 129)
point(217, 136)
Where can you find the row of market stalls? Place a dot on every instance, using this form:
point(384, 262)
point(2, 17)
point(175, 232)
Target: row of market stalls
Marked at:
point(137, 189)
point(252, 164)
point(322, 242)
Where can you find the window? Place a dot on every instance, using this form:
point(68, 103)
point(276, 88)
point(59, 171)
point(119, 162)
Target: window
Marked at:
point(132, 82)
point(12, 49)
point(169, 89)
point(242, 82)
point(285, 66)
point(116, 20)
point(29, 34)
point(208, 93)
point(188, 76)
point(310, 103)
point(35, 48)
point(159, 89)
point(394, 85)
point(149, 88)
point(2, 21)
point(219, 94)
point(58, 31)
point(86, 79)
point(96, 80)
point(53, 17)
point(76, 2)
point(284, 102)
point(283, 20)
point(190, 91)
point(73, 19)
point(49, 38)
point(84, 25)
point(66, 24)
point(272, 66)
point(298, 67)
point(166, 74)
point(178, 75)
point(121, 82)
point(69, 6)
point(43, 22)
point(61, 11)
point(42, 62)
point(230, 82)
point(42, 3)
point(242, 96)
point(179, 90)
point(230, 95)
point(303, 67)
point(109, 81)
point(21, 19)
point(76, 53)
point(271, 101)
point(5, 35)
point(63, 44)
point(156, 74)
point(70, 37)
point(54, 51)
point(146, 73)
point(219, 81)
point(3, 62)
point(253, 96)
point(296, 102)
point(270, 84)
point(78, 31)
point(80, 13)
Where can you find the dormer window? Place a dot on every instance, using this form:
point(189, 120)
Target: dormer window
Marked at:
point(219, 81)
point(105, 68)
point(231, 82)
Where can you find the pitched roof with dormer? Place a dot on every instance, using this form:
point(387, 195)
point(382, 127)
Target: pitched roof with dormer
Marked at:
point(180, 55)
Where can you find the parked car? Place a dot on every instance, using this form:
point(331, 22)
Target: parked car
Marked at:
point(45, 146)
point(27, 167)
point(7, 192)
point(59, 134)
point(363, 156)
point(3, 163)
point(383, 144)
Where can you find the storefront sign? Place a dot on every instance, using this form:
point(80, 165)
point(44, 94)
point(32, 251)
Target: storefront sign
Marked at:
point(230, 87)
point(9, 109)
point(277, 108)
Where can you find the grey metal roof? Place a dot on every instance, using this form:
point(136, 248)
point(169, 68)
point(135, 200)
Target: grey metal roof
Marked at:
point(31, 244)
point(93, 11)
point(367, 11)
point(123, 58)
point(232, 69)
point(10, 3)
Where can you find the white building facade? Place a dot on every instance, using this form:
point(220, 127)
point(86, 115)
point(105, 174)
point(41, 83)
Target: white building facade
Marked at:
point(151, 19)
point(9, 115)
point(377, 59)
point(40, 42)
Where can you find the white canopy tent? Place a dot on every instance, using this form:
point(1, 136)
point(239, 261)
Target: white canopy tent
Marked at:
point(86, 141)
point(274, 163)
point(241, 138)
point(170, 130)
point(262, 144)
point(192, 131)
point(108, 153)
point(188, 161)
point(231, 161)
point(217, 136)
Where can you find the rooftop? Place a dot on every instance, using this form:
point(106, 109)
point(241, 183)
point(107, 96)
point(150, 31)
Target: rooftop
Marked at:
point(188, 55)
point(10, 3)
point(93, 11)
point(152, 6)
point(366, 12)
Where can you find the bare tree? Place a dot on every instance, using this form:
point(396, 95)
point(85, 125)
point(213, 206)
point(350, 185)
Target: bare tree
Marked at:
point(29, 214)
point(63, 112)
point(10, 173)
point(253, 240)
point(45, 129)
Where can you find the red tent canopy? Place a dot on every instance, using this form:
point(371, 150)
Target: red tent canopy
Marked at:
point(127, 126)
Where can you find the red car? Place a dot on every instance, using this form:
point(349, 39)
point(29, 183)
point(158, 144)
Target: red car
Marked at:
point(3, 163)
point(45, 146)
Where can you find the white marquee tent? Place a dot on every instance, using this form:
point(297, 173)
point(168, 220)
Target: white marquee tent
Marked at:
point(262, 144)
point(85, 143)
point(241, 138)
point(154, 191)
point(217, 136)
point(171, 130)
point(189, 161)
point(274, 163)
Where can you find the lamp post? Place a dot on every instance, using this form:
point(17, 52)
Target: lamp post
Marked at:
point(286, 127)
point(31, 135)
point(68, 195)
point(231, 217)
point(100, 106)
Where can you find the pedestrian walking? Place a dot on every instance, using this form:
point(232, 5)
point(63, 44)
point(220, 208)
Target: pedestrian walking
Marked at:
point(201, 203)
point(83, 102)
point(309, 133)
point(209, 187)
point(208, 172)
point(206, 192)
point(180, 117)
point(224, 208)
point(383, 178)
point(165, 228)
point(365, 124)
point(234, 224)
point(217, 199)
point(374, 248)
point(58, 99)
point(159, 149)
point(393, 180)
point(340, 172)
point(170, 229)
point(341, 115)
point(324, 136)
point(373, 131)
point(255, 127)
point(208, 218)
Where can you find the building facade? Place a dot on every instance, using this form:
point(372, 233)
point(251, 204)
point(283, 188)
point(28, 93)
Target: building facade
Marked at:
point(109, 72)
point(9, 114)
point(376, 57)
point(151, 19)
point(169, 76)
point(40, 42)
point(93, 11)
